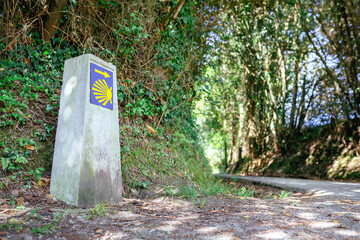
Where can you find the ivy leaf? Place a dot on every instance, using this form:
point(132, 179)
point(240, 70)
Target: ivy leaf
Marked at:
point(5, 163)
point(48, 108)
point(143, 184)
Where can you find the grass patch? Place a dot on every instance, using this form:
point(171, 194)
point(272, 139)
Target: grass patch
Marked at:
point(168, 162)
point(100, 210)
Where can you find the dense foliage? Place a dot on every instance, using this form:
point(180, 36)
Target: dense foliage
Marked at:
point(155, 46)
point(277, 70)
point(157, 49)
point(265, 75)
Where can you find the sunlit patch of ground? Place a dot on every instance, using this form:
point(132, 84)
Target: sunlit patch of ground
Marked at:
point(220, 217)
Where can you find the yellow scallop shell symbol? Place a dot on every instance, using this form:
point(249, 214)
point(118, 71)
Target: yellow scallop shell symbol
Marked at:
point(102, 92)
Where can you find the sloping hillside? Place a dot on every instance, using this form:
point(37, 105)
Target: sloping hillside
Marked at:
point(328, 152)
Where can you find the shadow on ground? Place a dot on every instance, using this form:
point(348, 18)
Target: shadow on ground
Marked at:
point(296, 217)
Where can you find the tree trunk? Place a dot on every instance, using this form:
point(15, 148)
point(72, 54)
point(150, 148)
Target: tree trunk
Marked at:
point(225, 103)
point(225, 160)
point(283, 84)
point(273, 117)
point(235, 142)
point(273, 130)
point(294, 91)
point(302, 112)
point(52, 20)
point(245, 146)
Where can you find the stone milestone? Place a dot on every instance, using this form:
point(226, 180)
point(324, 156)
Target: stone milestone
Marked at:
point(86, 165)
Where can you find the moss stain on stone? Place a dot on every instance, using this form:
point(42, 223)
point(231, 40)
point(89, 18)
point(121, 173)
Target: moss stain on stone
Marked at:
point(87, 184)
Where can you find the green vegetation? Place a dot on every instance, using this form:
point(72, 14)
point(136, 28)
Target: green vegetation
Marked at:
point(282, 91)
point(168, 159)
point(271, 87)
point(45, 229)
point(41, 229)
point(318, 152)
point(29, 102)
point(157, 49)
point(284, 194)
point(100, 210)
point(12, 225)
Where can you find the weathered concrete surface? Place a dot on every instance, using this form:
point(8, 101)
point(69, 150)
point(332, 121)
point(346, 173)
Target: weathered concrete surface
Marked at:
point(86, 166)
point(341, 190)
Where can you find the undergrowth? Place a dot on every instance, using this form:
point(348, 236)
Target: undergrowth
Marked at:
point(169, 162)
point(165, 160)
point(327, 152)
point(30, 89)
point(29, 102)
point(162, 161)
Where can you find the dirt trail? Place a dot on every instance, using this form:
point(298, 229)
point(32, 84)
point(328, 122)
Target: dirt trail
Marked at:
point(219, 217)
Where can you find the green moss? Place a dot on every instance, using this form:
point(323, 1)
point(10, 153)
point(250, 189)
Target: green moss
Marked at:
point(87, 184)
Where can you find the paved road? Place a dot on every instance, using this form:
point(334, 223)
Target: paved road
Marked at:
point(313, 187)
